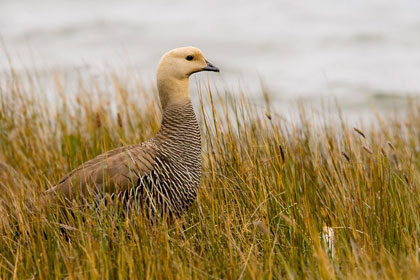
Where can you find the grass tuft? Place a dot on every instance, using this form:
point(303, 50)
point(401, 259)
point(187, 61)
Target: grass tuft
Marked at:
point(278, 198)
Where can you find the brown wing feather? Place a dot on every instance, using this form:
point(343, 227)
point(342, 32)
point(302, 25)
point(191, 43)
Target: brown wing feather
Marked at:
point(114, 171)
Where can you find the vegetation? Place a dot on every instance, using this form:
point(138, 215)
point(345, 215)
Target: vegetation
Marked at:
point(279, 198)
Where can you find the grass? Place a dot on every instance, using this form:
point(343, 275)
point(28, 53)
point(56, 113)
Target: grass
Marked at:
point(270, 190)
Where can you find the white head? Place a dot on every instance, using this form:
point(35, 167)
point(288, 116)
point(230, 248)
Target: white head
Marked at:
point(175, 67)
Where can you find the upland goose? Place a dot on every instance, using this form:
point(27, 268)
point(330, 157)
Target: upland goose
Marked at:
point(163, 172)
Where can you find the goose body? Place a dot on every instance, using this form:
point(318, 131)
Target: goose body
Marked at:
point(165, 171)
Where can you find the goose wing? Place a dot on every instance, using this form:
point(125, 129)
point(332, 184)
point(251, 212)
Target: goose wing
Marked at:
point(114, 171)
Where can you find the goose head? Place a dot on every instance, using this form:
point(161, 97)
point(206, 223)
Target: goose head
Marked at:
point(182, 62)
point(175, 68)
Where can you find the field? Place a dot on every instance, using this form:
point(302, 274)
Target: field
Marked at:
point(305, 196)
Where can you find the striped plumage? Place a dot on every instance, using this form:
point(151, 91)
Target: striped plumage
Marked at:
point(164, 172)
point(174, 180)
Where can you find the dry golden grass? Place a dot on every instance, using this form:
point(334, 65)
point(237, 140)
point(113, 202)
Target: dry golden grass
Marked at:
point(270, 189)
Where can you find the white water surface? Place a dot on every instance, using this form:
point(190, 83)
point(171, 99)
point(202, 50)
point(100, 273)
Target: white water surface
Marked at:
point(352, 50)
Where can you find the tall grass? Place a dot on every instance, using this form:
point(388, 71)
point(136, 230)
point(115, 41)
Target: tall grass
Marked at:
point(273, 190)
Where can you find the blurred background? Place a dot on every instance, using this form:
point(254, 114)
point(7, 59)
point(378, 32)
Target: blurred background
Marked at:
point(352, 51)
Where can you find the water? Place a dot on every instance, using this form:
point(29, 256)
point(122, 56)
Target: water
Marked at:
point(353, 50)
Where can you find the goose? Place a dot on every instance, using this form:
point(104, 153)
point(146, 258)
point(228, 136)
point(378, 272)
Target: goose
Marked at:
point(164, 172)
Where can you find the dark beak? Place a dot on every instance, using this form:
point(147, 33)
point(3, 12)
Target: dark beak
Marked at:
point(210, 67)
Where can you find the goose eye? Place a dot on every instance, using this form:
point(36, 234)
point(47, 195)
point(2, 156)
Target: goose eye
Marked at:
point(189, 58)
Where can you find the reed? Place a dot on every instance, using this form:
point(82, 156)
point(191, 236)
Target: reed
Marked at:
point(279, 198)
